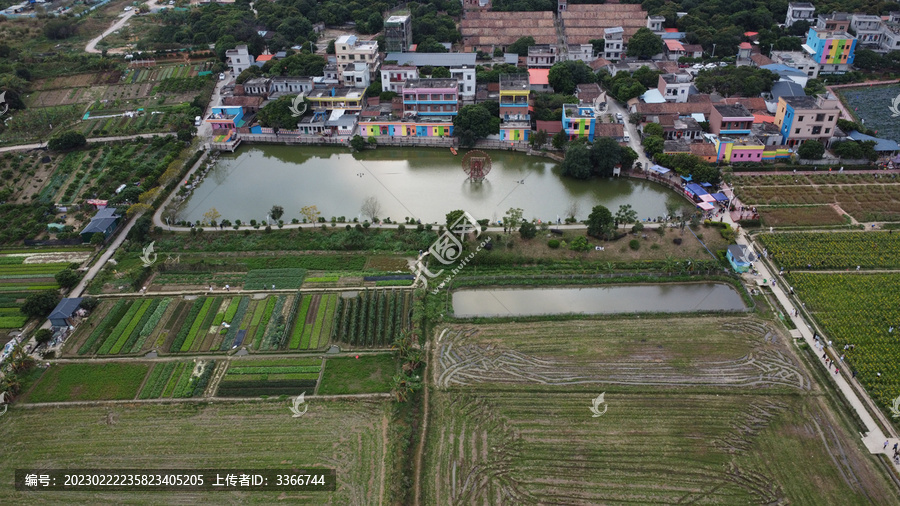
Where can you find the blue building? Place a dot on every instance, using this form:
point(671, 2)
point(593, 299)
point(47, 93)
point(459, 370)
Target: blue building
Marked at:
point(579, 121)
point(740, 257)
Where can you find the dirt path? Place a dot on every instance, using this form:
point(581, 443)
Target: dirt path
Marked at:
point(385, 444)
point(420, 450)
point(193, 399)
point(29, 147)
point(91, 46)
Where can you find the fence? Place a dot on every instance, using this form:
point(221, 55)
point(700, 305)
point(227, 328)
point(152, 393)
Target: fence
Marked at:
point(435, 142)
point(293, 139)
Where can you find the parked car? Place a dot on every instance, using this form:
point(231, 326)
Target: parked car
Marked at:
point(723, 64)
point(697, 66)
point(619, 116)
point(627, 138)
point(221, 77)
point(197, 120)
point(128, 8)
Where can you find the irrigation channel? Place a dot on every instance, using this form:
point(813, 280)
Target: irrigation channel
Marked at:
point(649, 298)
point(420, 183)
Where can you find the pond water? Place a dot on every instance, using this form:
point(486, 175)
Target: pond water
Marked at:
point(662, 298)
point(423, 183)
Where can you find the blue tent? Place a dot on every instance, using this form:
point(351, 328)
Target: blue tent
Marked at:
point(695, 189)
point(687, 178)
point(720, 197)
point(660, 169)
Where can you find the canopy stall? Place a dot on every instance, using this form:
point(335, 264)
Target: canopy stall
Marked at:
point(687, 179)
point(660, 169)
point(707, 198)
point(706, 206)
point(720, 197)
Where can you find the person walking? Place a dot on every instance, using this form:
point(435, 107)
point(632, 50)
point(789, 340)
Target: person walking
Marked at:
point(885, 444)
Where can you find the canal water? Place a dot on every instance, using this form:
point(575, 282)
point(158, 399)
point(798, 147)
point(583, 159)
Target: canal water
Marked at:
point(661, 298)
point(422, 183)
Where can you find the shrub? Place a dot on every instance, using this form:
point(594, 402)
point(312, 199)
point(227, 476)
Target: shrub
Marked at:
point(634, 244)
point(67, 140)
point(553, 243)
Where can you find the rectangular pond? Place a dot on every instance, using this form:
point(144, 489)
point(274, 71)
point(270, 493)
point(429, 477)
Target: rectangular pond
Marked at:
point(660, 298)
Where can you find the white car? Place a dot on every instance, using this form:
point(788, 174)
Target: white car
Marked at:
point(221, 77)
point(710, 66)
point(723, 64)
point(697, 66)
point(627, 138)
point(128, 8)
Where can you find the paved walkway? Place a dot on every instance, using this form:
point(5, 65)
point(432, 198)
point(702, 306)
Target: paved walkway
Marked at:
point(91, 46)
point(874, 438)
point(27, 147)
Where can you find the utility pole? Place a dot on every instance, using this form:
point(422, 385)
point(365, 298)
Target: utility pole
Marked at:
point(714, 52)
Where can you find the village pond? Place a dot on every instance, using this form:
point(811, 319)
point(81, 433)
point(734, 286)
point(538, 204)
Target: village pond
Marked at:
point(645, 298)
point(420, 183)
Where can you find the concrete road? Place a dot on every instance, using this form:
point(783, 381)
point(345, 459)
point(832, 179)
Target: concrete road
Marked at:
point(125, 17)
point(613, 107)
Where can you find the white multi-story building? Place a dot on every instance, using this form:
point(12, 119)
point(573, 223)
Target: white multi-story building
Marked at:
point(356, 75)
point(675, 87)
point(541, 55)
point(614, 43)
point(460, 65)
point(583, 52)
point(799, 60)
point(868, 29)
point(393, 76)
point(349, 49)
point(800, 11)
point(239, 59)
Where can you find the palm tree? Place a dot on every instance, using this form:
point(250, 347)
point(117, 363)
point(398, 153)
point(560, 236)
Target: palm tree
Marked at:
point(670, 264)
point(403, 385)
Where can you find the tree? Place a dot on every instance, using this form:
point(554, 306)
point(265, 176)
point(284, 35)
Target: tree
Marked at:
point(276, 212)
point(867, 59)
point(560, 139)
point(39, 305)
point(310, 213)
point(653, 145)
point(371, 207)
point(440, 72)
point(513, 218)
point(452, 216)
point(597, 46)
point(565, 75)
point(527, 230)
point(811, 150)
point(644, 44)
point(520, 46)
point(250, 73)
point(653, 129)
point(357, 143)
point(605, 154)
point(579, 243)
point(277, 114)
point(42, 336)
point(746, 81)
point(538, 139)
point(66, 141)
point(600, 223)
point(474, 122)
point(577, 163)
point(211, 217)
point(67, 278)
point(625, 215)
point(60, 28)
point(403, 385)
point(430, 45)
point(98, 238)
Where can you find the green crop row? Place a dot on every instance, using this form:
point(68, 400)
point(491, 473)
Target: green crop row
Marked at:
point(197, 325)
point(157, 381)
point(185, 329)
point(231, 335)
point(273, 369)
point(114, 315)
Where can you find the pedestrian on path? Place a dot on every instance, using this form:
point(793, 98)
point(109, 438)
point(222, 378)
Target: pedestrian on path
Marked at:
point(885, 444)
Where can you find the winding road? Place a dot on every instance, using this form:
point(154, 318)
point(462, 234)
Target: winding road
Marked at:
point(91, 46)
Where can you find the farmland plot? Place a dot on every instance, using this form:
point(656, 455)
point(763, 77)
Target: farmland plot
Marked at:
point(872, 104)
point(694, 410)
point(837, 250)
point(344, 435)
point(374, 318)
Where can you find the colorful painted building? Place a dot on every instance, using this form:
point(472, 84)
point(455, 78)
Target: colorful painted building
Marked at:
point(514, 133)
point(807, 118)
point(579, 122)
point(430, 97)
point(730, 120)
point(739, 149)
point(386, 127)
point(514, 94)
point(832, 50)
point(223, 119)
point(331, 98)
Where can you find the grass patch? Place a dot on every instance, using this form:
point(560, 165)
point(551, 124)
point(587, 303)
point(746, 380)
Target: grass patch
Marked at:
point(89, 382)
point(363, 375)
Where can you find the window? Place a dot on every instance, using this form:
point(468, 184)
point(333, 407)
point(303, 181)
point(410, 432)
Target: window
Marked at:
point(797, 131)
point(830, 118)
point(820, 117)
point(468, 77)
point(799, 118)
point(816, 130)
point(352, 56)
point(827, 130)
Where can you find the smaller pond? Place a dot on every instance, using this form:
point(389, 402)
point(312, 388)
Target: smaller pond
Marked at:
point(661, 298)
